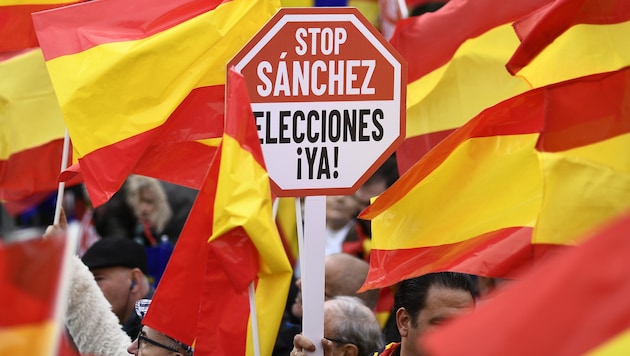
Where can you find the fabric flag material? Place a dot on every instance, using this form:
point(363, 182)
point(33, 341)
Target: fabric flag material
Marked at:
point(232, 224)
point(584, 156)
point(29, 278)
point(522, 169)
point(141, 85)
point(287, 228)
point(32, 130)
point(566, 40)
point(16, 24)
point(573, 304)
point(456, 59)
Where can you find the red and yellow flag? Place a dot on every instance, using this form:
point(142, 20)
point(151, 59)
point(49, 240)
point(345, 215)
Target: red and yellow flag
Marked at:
point(456, 59)
point(230, 241)
point(29, 279)
point(141, 84)
point(573, 304)
point(287, 227)
point(541, 165)
point(32, 130)
point(16, 24)
point(570, 39)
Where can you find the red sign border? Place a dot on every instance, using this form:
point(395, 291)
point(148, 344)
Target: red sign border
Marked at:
point(277, 190)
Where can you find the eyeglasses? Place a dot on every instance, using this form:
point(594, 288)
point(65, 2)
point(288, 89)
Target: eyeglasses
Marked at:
point(154, 343)
point(142, 337)
point(338, 341)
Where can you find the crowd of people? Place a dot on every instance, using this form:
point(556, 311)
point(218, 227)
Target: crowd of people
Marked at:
point(112, 286)
point(125, 245)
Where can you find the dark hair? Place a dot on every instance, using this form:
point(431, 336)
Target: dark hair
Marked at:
point(412, 293)
point(388, 172)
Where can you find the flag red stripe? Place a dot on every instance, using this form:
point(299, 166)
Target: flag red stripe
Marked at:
point(417, 146)
point(230, 323)
point(144, 18)
point(503, 253)
point(199, 116)
point(472, 19)
point(522, 114)
point(20, 178)
point(540, 28)
point(586, 110)
point(29, 276)
point(242, 133)
point(16, 25)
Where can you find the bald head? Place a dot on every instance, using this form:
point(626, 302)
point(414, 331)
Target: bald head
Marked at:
point(345, 274)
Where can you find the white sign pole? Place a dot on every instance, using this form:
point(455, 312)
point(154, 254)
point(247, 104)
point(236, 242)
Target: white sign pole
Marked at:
point(313, 272)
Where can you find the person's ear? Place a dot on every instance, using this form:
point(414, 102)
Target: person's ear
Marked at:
point(403, 321)
point(136, 277)
point(350, 350)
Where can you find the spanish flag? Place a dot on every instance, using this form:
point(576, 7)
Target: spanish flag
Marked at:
point(32, 130)
point(573, 304)
point(457, 58)
point(570, 39)
point(141, 83)
point(549, 165)
point(29, 279)
point(229, 242)
point(286, 221)
point(16, 24)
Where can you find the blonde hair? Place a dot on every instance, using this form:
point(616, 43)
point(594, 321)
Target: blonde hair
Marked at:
point(137, 184)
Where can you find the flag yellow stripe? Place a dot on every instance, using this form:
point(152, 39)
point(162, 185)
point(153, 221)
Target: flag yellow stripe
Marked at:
point(584, 188)
point(104, 87)
point(613, 152)
point(499, 176)
point(473, 80)
point(618, 345)
point(269, 307)
point(27, 339)
point(29, 112)
point(582, 50)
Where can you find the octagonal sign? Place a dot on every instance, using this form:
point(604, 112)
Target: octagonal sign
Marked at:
point(328, 97)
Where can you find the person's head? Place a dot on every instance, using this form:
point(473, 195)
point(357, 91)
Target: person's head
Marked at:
point(344, 275)
point(340, 210)
point(351, 326)
point(148, 200)
point(424, 302)
point(151, 342)
point(119, 266)
point(378, 182)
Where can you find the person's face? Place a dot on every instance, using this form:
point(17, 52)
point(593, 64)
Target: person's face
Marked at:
point(115, 283)
point(147, 205)
point(151, 343)
point(442, 304)
point(340, 209)
point(296, 308)
point(367, 192)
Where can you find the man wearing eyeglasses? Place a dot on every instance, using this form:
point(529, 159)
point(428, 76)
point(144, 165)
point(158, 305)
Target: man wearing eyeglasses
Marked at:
point(151, 342)
point(350, 329)
point(421, 304)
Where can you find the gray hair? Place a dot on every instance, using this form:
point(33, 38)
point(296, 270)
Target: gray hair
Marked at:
point(354, 323)
point(136, 184)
